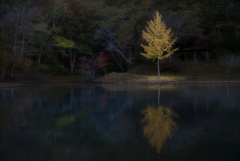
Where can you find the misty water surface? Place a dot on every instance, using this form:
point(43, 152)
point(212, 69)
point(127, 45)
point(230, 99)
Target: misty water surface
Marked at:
point(101, 122)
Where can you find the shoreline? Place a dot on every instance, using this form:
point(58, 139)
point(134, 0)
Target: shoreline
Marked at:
point(172, 82)
point(23, 79)
point(22, 84)
point(11, 85)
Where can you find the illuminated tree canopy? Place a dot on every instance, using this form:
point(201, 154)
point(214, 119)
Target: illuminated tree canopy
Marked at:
point(159, 40)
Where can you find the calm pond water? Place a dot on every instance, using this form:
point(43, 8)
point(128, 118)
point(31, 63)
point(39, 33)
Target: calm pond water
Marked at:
point(106, 122)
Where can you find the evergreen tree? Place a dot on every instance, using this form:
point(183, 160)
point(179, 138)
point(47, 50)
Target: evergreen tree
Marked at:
point(159, 40)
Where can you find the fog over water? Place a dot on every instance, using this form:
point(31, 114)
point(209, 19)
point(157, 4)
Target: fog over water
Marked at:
point(88, 122)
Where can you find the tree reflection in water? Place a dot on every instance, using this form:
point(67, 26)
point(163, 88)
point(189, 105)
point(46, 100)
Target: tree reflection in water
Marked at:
point(160, 125)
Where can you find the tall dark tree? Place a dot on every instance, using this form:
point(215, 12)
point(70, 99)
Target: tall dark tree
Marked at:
point(17, 19)
point(4, 55)
point(220, 18)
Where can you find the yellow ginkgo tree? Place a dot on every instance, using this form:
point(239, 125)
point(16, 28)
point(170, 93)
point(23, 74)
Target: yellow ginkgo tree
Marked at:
point(159, 40)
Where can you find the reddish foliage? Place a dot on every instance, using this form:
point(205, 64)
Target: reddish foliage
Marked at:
point(82, 62)
point(100, 61)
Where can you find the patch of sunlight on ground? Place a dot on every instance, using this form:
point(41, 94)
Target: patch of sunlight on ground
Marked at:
point(162, 78)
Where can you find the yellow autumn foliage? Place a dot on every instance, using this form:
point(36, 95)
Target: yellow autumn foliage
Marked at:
point(159, 39)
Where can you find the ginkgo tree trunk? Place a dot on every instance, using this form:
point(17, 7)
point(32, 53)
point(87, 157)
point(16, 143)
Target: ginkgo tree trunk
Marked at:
point(159, 40)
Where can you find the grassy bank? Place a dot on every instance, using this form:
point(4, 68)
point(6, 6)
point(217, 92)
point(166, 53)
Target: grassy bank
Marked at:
point(175, 71)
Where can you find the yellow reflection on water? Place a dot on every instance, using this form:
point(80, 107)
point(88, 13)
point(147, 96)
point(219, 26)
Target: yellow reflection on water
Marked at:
point(160, 125)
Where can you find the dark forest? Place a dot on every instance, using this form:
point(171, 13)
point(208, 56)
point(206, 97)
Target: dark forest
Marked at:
point(75, 36)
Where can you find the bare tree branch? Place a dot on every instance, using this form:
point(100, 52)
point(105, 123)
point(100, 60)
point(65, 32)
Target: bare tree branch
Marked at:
point(17, 20)
point(107, 40)
point(180, 24)
point(230, 60)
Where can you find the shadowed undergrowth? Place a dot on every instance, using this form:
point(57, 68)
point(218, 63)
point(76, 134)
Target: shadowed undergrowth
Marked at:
point(177, 71)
